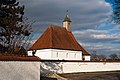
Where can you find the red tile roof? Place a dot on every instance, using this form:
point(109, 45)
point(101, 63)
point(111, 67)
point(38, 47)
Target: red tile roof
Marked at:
point(56, 37)
point(18, 58)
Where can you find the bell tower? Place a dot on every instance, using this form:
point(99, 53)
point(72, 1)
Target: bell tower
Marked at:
point(67, 23)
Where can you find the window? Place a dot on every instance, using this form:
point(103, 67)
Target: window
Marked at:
point(67, 55)
point(75, 55)
point(83, 58)
point(57, 54)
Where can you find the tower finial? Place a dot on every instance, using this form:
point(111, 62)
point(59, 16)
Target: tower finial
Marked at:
point(67, 22)
point(67, 11)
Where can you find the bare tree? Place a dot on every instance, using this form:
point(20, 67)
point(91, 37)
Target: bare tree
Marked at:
point(94, 56)
point(113, 56)
point(119, 57)
point(102, 57)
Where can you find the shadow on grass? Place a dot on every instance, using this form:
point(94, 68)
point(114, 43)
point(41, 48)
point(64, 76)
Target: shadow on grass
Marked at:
point(118, 76)
point(47, 78)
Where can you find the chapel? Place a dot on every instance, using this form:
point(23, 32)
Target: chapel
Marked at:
point(58, 43)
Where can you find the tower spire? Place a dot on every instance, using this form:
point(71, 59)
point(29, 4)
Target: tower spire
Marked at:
point(67, 18)
point(67, 22)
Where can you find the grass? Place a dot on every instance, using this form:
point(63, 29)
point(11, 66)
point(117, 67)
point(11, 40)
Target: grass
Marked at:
point(112, 75)
point(93, 76)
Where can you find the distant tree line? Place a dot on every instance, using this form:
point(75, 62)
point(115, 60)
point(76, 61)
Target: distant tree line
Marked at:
point(102, 57)
point(15, 29)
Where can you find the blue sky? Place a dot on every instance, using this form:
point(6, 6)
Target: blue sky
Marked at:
point(91, 21)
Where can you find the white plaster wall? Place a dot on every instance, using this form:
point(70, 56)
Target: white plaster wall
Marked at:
point(86, 57)
point(66, 54)
point(19, 70)
point(29, 53)
point(72, 67)
point(43, 54)
point(57, 54)
point(67, 25)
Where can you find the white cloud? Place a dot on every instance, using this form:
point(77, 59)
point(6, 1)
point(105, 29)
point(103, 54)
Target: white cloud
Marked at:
point(101, 41)
point(94, 36)
point(104, 36)
point(90, 31)
point(101, 48)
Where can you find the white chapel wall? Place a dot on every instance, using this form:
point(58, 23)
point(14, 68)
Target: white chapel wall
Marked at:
point(86, 57)
point(43, 54)
point(19, 70)
point(57, 54)
point(66, 54)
